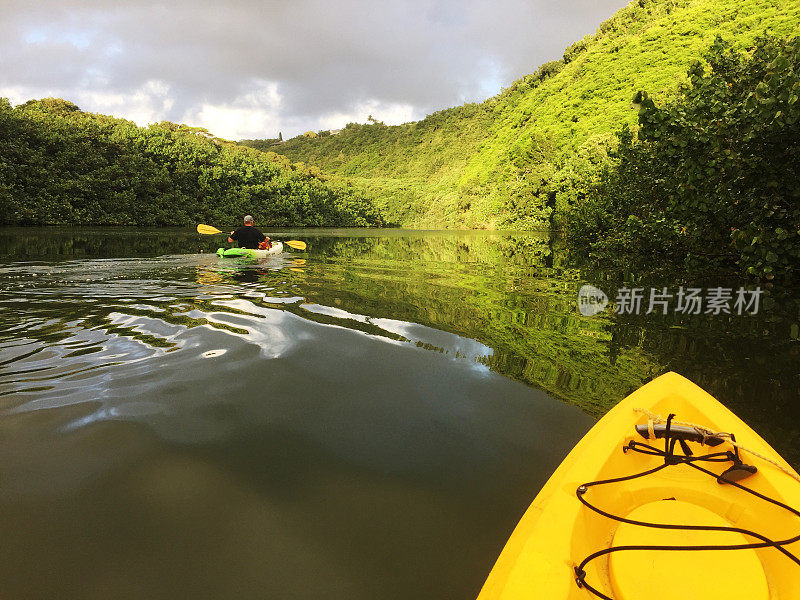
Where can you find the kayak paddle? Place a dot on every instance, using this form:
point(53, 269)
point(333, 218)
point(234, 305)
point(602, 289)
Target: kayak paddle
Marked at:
point(209, 230)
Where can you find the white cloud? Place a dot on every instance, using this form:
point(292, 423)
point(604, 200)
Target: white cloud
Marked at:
point(45, 35)
point(388, 112)
point(17, 94)
point(251, 68)
point(235, 123)
point(258, 113)
point(254, 114)
point(145, 105)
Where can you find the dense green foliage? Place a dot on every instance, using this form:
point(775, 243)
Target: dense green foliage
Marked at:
point(59, 165)
point(530, 154)
point(403, 167)
point(264, 145)
point(713, 179)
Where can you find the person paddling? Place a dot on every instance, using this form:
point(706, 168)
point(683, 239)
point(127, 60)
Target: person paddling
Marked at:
point(250, 236)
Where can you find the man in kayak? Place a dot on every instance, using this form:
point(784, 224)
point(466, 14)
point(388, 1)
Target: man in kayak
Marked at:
point(250, 236)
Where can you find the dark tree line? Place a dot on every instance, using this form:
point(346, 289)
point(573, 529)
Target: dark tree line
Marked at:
point(62, 166)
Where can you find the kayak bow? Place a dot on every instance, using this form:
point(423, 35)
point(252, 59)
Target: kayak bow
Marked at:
point(652, 507)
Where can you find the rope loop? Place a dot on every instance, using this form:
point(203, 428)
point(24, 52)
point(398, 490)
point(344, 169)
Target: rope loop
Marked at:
point(670, 459)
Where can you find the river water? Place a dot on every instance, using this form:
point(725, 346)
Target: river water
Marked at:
point(367, 419)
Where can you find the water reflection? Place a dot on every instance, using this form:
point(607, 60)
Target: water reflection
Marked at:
point(348, 421)
point(511, 294)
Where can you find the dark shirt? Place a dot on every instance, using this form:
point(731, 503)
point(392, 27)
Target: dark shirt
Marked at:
point(248, 237)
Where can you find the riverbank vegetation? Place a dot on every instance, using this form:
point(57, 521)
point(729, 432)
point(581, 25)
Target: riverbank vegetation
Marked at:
point(564, 147)
point(710, 179)
point(526, 157)
point(62, 166)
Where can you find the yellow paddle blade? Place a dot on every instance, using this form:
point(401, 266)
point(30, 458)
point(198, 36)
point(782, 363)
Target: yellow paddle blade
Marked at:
point(296, 244)
point(207, 229)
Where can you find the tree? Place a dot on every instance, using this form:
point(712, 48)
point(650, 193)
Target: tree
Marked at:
point(59, 165)
point(712, 180)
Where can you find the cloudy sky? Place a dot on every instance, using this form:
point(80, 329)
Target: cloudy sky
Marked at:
point(252, 68)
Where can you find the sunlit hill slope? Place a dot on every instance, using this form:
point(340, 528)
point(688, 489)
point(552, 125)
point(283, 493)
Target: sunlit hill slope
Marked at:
point(525, 156)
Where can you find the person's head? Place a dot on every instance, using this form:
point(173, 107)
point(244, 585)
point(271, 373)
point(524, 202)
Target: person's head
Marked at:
point(248, 220)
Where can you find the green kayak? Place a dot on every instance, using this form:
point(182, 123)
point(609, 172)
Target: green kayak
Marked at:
point(277, 248)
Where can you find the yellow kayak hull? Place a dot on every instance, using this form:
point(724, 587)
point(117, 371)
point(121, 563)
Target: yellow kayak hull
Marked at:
point(558, 531)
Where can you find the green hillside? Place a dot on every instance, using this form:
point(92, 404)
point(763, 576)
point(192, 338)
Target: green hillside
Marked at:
point(528, 155)
point(62, 166)
point(710, 183)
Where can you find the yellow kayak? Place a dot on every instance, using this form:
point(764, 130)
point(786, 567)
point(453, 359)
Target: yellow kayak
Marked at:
point(685, 511)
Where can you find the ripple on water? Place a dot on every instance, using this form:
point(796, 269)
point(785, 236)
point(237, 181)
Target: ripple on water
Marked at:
point(341, 428)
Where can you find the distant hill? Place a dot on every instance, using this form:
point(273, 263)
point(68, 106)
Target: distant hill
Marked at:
point(62, 166)
point(264, 145)
point(524, 157)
